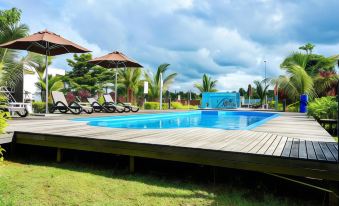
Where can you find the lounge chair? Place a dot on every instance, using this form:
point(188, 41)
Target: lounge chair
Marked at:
point(99, 108)
point(109, 103)
point(60, 104)
point(127, 106)
point(11, 105)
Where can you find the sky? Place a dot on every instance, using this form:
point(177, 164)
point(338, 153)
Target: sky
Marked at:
point(226, 39)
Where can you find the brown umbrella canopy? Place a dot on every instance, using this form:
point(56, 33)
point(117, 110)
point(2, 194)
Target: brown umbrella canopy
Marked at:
point(115, 60)
point(45, 42)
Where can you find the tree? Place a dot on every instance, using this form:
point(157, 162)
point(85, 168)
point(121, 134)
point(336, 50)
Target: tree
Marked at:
point(85, 76)
point(310, 74)
point(308, 48)
point(208, 85)
point(296, 82)
point(37, 63)
point(80, 65)
point(261, 90)
point(54, 84)
point(325, 83)
point(242, 92)
point(154, 81)
point(130, 79)
point(11, 66)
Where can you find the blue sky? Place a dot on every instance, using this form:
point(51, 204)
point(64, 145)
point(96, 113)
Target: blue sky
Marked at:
point(226, 39)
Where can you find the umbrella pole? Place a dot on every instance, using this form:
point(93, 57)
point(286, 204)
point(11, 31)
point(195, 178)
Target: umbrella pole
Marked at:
point(115, 85)
point(46, 95)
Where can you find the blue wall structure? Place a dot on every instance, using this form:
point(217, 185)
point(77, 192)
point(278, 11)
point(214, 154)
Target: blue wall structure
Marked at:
point(220, 100)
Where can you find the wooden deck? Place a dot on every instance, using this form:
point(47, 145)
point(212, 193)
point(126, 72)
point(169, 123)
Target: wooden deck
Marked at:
point(290, 144)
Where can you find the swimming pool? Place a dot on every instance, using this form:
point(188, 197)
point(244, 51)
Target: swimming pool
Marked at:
point(230, 120)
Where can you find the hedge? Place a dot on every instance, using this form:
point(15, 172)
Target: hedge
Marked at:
point(174, 105)
point(178, 105)
point(155, 105)
point(39, 107)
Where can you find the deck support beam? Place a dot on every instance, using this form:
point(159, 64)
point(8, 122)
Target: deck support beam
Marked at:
point(13, 148)
point(59, 155)
point(333, 198)
point(131, 164)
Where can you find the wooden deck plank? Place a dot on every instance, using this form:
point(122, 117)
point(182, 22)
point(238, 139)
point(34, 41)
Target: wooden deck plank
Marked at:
point(273, 146)
point(302, 149)
point(295, 148)
point(242, 142)
point(252, 148)
point(236, 140)
point(310, 151)
point(318, 151)
point(333, 150)
point(223, 141)
point(267, 145)
point(280, 147)
point(287, 149)
point(257, 147)
point(328, 154)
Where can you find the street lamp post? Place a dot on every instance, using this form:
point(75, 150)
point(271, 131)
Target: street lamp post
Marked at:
point(338, 114)
point(265, 86)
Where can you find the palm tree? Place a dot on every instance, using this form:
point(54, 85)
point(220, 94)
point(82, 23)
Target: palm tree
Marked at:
point(296, 82)
point(325, 83)
point(309, 74)
point(208, 85)
point(154, 81)
point(261, 90)
point(10, 29)
point(37, 63)
point(55, 83)
point(308, 48)
point(130, 79)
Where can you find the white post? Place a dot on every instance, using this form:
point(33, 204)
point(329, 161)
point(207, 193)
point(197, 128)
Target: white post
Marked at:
point(116, 85)
point(189, 99)
point(161, 84)
point(145, 90)
point(249, 101)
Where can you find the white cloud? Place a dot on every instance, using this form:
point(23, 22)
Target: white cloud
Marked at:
point(234, 81)
point(226, 39)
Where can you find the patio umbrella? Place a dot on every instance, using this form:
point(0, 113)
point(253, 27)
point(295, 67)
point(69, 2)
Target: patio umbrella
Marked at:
point(115, 60)
point(47, 43)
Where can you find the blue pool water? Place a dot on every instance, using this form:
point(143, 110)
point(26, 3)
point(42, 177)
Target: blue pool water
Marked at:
point(231, 120)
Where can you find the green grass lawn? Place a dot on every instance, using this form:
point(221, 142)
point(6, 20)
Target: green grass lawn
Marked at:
point(72, 184)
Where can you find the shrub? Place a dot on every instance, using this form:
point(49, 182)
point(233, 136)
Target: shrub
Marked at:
point(101, 100)
point(3, 99)
point(84, 94)
point(3, 121)
point(323, 108)
point(39, 107)
point(271, 104)
point(155, 105)
point(293, 107)
point(2, 150)
point(70, 97)
point(3, 125)
point(178, 105)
